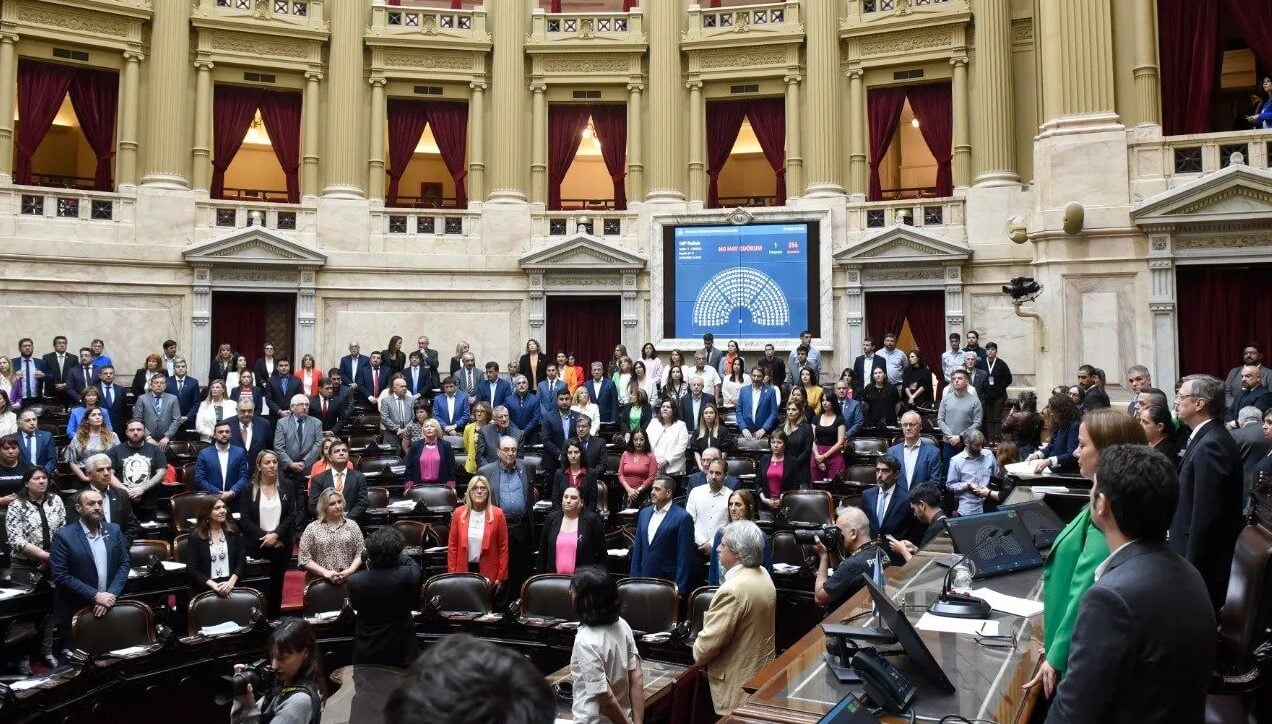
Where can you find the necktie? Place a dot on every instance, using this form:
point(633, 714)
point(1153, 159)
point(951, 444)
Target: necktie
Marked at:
point(415, 379)
point(339, 481)
point(31, 447)
point(247, 436)
point(881, 509)
point(324, 407)
point(375, 381)
point(26, 374)
point(87, 377)
point(401, 410)
point(158, 400)
point(110, 397)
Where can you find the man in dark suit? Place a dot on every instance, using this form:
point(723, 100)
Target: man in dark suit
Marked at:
point(374, 379)
point(1253, 444)
point(185, 389)
point(602, 391)
point(1091, 386)
point(251, 433)
point(557, 427)
point(31, 371)
point(451, 408)
point(467, 376)
point(352, 364)
point(887, 505)
point(1133, 659)
point(1251, 394)
point(58, 364)
point(35, 445)
point(849, 409)
point(524, 409)
point(920, 461)
point(116, 508)
point(492, 389)
point(351, 483)
point(488, 436)
point(1208, 518)
point(113, 399)
point(663, 546)
point(512, 490)
point(691, 404)
point(700, 478)
point(419, 377)
point(866, 363)
point(977, 378)
point(772, 364)
point(82, 376)
point(595, 457)
point(429, 356)
point(280, 387)
point(549, 387)
point(711, 355)
point(265, 365)
point(221, 468)
point(329, 410)
point(73, 567)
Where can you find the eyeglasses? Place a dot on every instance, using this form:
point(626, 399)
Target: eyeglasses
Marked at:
point(1184, 396)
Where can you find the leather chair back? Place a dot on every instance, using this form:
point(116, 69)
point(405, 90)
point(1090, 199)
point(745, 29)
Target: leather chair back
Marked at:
point(787, 550)
point(739, 467)
point(809, 507)
point(1247, 611)
point(142, 549)
point(547, 595)
point(322, 596)
point(861, 474)
point(864, 448)
point(455, 441)
point(127, 623)
point(244, 606)
point(434, 496)
point(412, 530)
point(181, 452)
point(602, 500)
point(649, 605)
point(378, 467)
point(699, 602)
point(179, 547)
point(753, 446)
point(468, 592)
point(377, 497)
point(360, 444)
point(438, 534)
point(185, 507)
point(185, 474)
point(612, 459)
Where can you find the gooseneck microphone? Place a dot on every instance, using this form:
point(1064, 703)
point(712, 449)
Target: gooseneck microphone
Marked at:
point(962, 605)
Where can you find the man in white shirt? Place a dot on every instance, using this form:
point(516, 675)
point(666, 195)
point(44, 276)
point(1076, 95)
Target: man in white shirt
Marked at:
point(710, 378)
point(708, 505)
point(952, 359)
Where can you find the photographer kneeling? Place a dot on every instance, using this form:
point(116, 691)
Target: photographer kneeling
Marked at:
point(856, 551)
point(293, 683)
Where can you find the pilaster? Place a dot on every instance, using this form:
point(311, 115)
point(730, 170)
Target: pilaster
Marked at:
point(823, 118)
point(477, 141)
point(507, 103)
point(794, 161)
point(962, 161)
point(538, 142)
point(697, 132)
point(310, 122)
point(344, 171)
point(8, 97)
point(1147, 97)
point(1077, 67)
point(168, 125)
point(993, 138)
point(130, 106)
point(666, 100)
point(857, 162)
point(635, 161)
point(375, 145)
point(201, 155)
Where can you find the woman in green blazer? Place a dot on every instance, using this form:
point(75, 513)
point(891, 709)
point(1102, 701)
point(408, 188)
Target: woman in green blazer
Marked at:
point(1079, 549)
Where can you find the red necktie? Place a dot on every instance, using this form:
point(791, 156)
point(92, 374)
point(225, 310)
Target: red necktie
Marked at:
point(375, 384)
point(324, 407)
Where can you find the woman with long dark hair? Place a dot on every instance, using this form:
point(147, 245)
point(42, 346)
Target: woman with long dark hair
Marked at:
point(30, 522)
point(299, 686)
point(572, 536)
point(214, 552)
point(742, 506)
point(827, 458)
point(573, 473)
point(609, 683)
point(916, 382)
point(637, 467)
point(1160, 431)
point(1059, 454)
point(710, 432)
point(392, 356)
point(881, 400)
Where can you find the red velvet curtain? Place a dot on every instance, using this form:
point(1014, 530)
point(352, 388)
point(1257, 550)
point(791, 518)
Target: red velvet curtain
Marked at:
point(925, 311)
point(41, 89)
point(95, 98)
point(565, 126)
point(1255, 22)
point(586, 327)
point(449, 122)
point(239, 319)
point(768, 120)
point(883, 106)
point(1220, 309)
point(1188, 43)
point(933, 106)
point(611, 133)
point(555, 7)
point(233, 108)
point(406, 119)
point(280, 113)
point(629, 4)
point(724, 120)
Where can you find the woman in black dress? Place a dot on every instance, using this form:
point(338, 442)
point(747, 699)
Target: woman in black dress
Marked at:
point(916, 383)
point(711, 432)
point(881, 400)
point(799, 441)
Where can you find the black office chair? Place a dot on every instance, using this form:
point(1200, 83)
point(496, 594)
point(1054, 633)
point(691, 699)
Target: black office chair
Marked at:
point(143, 550)
point(648, 605)
point(377, 497)
point(413, 531)
point(808, 507)
point(185, 508)
point(547, 596)
point(699, 602)
point(243, 607)
point(466, 592)
point(322, 596)
point(128, 623)
point(434, 496)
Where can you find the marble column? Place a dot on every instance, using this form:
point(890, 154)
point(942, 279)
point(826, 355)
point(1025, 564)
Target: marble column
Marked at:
point(794, 161)
point(824, 124)
point(344, 171)
point(666, 99)
point(167, 143)
point(697, 117)
point(858, 163)
point(962, 161)
point(993, 138)
point(201, 155)
point(311, 123)
point(1077, 65)
point(1146, 74)
point(539, 142)
point(635, 162)
point(477, 141)
point(508, 101)
point(130, 105)
point(375, 145)
point(8, 97)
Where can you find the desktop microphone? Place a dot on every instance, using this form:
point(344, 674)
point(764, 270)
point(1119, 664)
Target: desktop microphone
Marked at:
point(962, 605)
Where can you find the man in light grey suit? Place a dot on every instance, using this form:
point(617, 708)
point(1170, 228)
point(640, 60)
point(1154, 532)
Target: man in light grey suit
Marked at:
point(396, 411)
point(298, 443)
point(159, 412)
point(489, 434)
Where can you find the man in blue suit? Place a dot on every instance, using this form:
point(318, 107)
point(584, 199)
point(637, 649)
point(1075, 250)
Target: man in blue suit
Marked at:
point(556, 427)
point(451, 408)
point(663, 546)
point(418, 376)
point(887, 505)
point(88, 561)
point(352, 364)
point(31, 370)
point(35, 445)
point(250, 433)
point(280, 388)
point(757, 407)
point(185, 389)
point(524, 409)
point(492, 389)
point(920, 461)
point(549, 388)
point(226, 479)
point(603, 392)
point(849, 409)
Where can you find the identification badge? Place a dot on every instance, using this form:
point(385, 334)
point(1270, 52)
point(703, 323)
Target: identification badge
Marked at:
point(990, 381)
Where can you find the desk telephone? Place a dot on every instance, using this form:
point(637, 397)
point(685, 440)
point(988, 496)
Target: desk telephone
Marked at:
point(884, 683)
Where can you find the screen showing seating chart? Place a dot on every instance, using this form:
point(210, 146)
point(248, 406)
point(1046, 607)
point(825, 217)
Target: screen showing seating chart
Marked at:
point(755, 281)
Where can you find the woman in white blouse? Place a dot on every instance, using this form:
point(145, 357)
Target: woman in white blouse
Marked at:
point(30, 521)
point(641, 379)
point(584, 406)
point(215, 407)
point(668, 439)
point(622, 379)
point(268, 518)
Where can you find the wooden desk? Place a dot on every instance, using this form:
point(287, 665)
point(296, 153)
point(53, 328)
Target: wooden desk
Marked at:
point(798, 687)
point(660, 680)
point(364, 689)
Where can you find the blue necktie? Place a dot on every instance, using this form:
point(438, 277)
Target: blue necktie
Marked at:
point(31, 447)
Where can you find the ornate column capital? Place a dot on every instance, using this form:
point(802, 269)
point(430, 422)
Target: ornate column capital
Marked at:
point(477, 85)
point(635, 87)
point(202, 64)
point(313, 74)
point(377, 82)
point(134, 56)
point(9, 37)
point(855, 73)
point(792, 79)
point(958, 60)
point(538, 86)
point(694, 84)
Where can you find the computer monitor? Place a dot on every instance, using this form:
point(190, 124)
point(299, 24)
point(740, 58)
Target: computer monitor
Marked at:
point(900, 626)
point(1002, 554)
point(849, 710)
point(1040, 521)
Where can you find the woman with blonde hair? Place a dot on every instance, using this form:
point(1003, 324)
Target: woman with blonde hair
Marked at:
point(268, 518)
point(309, 375)
point(215, 407)
point(584, 405)
point(458, 360)
point(93, 436)
point(90, 399)
point(431, 461)
point(481, 416)
point(331, 547)
point(478, 535)
point(10, 382)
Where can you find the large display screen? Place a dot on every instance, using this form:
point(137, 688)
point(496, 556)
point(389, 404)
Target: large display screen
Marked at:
point(755, 281)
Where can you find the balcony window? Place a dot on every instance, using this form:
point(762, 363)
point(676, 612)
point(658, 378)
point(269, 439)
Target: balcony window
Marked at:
point(908, 170)
point(65, 126)
point(587, 156)
point(911, 141)
point(746, 150)
point(427, 142)
point(248, 163)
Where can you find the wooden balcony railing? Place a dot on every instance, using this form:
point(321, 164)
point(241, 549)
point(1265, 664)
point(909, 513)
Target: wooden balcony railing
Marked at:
point(425, 202)
point(731, 202)
point(269, 196)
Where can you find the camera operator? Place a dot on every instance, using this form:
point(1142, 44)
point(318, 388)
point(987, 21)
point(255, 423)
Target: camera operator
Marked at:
point(856, 554)
point(294, 694)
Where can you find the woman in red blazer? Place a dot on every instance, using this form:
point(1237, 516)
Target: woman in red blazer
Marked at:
point(477, 517)
point(309, 375)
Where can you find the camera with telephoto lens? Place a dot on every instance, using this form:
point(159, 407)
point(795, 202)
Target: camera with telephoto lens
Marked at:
point(830, 534)
point(258, 674)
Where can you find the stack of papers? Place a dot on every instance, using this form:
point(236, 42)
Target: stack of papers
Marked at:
point(947, 624)
point(402, 505)
point(10, 592)
point(618, 552)
point(1009, 604)
point(173, 565)
point(785, 568)
point(25, 684)
point(220, 629)
point(130, 651)
point(543, 505)
point(325, 616)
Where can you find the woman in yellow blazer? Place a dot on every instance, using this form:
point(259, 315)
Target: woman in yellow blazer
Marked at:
point(1079, 549)
point(481, 416)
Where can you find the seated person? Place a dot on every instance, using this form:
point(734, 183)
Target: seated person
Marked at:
point(925, 503)
point(699, 477)
point(856, 557)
